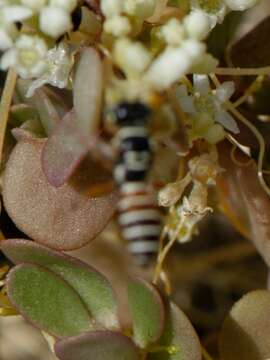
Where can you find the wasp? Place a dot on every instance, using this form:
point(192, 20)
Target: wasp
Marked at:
point(139, 215)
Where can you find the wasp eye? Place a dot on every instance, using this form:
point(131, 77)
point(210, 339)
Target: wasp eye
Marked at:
point(132, 114)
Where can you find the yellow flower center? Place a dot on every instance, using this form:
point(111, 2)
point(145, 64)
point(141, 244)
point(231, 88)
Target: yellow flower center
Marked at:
point(204, 104)
point(28, 57)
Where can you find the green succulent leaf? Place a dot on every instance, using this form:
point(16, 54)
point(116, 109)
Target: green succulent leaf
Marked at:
point(100, 345)
point(147, 310)
point(41, 102)
point(21, 113)
point(47, 301)
point(179, 340)
point(93, 288)
point(245, 333)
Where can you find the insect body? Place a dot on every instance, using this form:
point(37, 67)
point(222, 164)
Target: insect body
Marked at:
point(139, 216)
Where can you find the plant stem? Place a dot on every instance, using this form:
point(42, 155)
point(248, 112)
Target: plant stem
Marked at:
point(256, 133)
point(5, 104)
point(243, 72)
point(205, 354)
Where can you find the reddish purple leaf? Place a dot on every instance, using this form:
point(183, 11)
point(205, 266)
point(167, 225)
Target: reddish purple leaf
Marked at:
point(245, 201)
point(245, 332)
point(88, 91)
point(21, 134)
point(64, 151)
point(62, 218)
point(251, 50)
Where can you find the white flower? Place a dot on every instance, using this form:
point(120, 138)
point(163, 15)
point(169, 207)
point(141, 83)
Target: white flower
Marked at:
point(7, 33)
point(9, 14)
point(14, 13)
point(68, 5)
point(142, 9)
point(117, 25)
point(169, 67)
point(59, 63)
point(35, 5)
point(27, 56)
point(205, 64)
point(132, 57)
point(215, 10)
point(173, 32)
point(240, 5)
point(194, 48)
point(206, 101)
point(111, 8)
point(197, 25)
point(55, 21)
point(173, 63)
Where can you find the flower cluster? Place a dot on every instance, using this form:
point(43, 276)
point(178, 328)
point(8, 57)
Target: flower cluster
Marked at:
point(182, 49)
point(9, 15)
point(28, 51)
point(54, 16)
point(125, 17)
point(175, 46)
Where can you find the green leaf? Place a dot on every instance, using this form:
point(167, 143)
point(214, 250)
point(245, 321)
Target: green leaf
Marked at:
point(21, 113)
point(100, 345)
point(179, 340)
point(245, 333)
point(92, 287)
point(47, 301)
point(147, 310)
point(42, 103)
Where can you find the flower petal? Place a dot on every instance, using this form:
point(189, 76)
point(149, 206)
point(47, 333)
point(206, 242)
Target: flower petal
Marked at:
point(225, 119)
point(16, 13)
point(5, 40)
point(187, 104)
point(225, 91)
point(201, 84)
point(8, 59)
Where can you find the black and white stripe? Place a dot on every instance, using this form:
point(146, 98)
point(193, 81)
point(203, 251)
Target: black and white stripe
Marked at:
point(140, 220)
point(139, 216)
point(134, 155)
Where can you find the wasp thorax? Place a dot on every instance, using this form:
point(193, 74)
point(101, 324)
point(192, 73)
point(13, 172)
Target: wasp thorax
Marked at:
point(132, 114)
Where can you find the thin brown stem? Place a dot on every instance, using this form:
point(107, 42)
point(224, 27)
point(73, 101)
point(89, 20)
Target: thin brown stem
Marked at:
point(243, 72)
point(6, 101)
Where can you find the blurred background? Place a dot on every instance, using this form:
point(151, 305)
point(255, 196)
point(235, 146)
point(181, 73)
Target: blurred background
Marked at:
point(208, 275)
